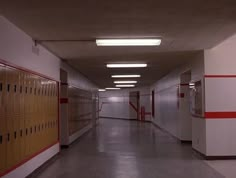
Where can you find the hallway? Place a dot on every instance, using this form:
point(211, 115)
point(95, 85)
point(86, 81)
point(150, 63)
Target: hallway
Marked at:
point(127, 149)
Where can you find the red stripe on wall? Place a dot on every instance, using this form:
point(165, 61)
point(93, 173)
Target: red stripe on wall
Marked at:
point(220, 115)
point(220, 76)
point(63, 100)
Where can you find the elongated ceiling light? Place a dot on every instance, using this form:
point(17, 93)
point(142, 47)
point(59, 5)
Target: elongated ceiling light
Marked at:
point(126, 76)
point(128, 42)
point(126, 65)
point(125, 86)
point(101, 90)
point(112, 88)
point(129, 82)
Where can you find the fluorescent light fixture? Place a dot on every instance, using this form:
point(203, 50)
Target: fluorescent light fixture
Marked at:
point(101, 90)
point(125, 65)
point(128, 42)
point(126, 76)
point(125, 86)
point(112, 88)
point(191, 84)
point(117, 82)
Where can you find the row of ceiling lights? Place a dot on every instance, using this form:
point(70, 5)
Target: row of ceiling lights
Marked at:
point(126, 42)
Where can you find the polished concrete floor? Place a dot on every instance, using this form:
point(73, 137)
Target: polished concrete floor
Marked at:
point(127, 149)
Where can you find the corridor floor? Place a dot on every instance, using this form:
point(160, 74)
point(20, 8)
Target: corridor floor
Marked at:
point(127, 149)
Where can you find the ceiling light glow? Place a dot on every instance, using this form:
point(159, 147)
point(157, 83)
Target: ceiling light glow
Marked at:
point(125, 65)
point(126, 76)
point(128, 42)
point(129, 82)
point(112, 88)
point(125, 86)
point(101, 90)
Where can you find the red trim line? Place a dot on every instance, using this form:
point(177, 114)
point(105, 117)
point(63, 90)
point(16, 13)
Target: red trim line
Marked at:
point(26, 70)
point(26, 160)
point(132, 105)
point(184, 84)
point(220, 76)
point(220, 115)
point(64, 100)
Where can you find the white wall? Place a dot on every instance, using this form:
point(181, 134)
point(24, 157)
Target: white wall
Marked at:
point(115, 104)
point(220, 87)
point(16, 48)
point(76, 79)
point(167, 113)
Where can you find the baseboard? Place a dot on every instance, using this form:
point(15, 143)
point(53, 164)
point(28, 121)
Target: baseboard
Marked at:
point(118, 118)
point(127, 119)
point(78, 134)
point(29, 166)
point(186, 141)
point(64, 146)
point(43, 166)
point(211, 158)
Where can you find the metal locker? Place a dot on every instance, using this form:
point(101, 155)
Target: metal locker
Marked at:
point(2, 119)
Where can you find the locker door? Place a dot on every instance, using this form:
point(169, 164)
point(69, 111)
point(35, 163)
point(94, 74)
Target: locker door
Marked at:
point(27, 116)
point(15, 116)
point(36, 115)
point(9, 117)
point(32, 115)
point(2, 120)
point(22, 115)
point(41, 118)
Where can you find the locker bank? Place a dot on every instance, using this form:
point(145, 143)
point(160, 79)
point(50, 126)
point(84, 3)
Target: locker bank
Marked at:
point(118, 89)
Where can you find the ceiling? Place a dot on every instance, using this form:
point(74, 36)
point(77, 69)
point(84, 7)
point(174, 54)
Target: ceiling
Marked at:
point(186, 27)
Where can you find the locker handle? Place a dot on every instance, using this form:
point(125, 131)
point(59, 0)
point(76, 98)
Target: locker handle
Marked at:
point(21, 133)
point(15, 135)
point(8, 137)
point(0, 139)
point(8, 87)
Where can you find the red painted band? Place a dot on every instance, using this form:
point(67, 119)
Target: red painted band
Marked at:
point(220, 76)
point(184, 84)
point(220, 115)
point(27, 159)
point(64, 100)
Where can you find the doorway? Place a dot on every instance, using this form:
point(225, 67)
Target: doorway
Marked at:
point(134, 103)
